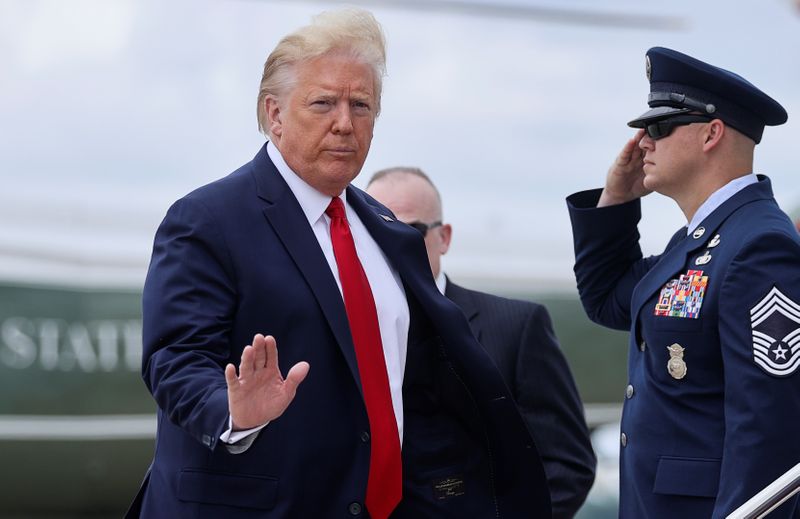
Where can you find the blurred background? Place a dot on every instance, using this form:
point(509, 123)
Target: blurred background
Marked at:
point(110, 110)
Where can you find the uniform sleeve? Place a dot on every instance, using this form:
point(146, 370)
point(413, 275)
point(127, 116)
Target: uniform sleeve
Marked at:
point(608, 259)
point(549, 402)
point(188, 303)
point(759, 328)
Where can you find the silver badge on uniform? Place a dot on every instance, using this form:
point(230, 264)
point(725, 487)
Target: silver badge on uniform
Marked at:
point(676, 365)
point(699, 232)
point(702, 260)
point(714, 242)
point(775, 321)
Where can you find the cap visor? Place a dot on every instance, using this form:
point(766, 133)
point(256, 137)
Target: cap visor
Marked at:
point(656, 113)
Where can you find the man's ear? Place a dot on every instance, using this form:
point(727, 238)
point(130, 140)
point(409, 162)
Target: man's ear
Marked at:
point(446, 233)
point(273, 111)
point(712, 135)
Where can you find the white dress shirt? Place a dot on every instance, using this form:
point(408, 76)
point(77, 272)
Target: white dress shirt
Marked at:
point(387, 288)
point(441, 282)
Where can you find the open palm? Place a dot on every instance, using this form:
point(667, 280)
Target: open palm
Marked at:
point(259, 393)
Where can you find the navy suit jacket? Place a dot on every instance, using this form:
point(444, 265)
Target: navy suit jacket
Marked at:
point(238, 257)
point(519, 337)
point(706, 427)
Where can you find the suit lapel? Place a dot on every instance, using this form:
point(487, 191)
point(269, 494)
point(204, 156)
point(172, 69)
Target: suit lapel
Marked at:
point(394, 238)
point(461, 297)
point(287, 219)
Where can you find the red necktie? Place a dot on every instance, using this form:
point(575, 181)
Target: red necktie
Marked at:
point(385, 483)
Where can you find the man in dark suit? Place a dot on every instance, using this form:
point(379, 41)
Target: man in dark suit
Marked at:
point(519, 337)
point(389, 405)
point(711, 406)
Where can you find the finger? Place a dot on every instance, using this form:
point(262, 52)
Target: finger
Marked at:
point(637, 139)
point(258, 339)
point(627, 152)
point(271, 350)
point(230, 377)
point(260, 351)
point(638, 153)
point(246, 365)
point(296, 375)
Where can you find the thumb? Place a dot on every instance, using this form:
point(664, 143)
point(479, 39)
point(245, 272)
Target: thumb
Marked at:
point(230, 377)
point(296, 375)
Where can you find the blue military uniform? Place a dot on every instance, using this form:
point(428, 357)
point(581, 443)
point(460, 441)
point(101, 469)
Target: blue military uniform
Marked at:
point(713, 398)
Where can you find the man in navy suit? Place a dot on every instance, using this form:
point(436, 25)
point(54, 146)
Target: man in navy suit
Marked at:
point(519, 337)
point(270, 249)
point(713, 395)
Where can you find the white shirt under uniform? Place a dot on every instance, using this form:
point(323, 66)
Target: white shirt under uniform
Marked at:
point(719, 197)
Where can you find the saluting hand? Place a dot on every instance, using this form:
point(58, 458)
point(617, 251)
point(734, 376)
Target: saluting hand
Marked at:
point(625, 179)
point(260, 393)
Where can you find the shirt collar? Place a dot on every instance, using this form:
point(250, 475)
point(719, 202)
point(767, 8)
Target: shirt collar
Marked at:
point(719, 197)
point(441, 281)
point(312, 202)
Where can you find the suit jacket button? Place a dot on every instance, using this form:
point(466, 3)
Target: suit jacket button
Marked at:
point(623, 439)
point(365, 436)
point(629, 391)
point(642, 346)
point(354, 508)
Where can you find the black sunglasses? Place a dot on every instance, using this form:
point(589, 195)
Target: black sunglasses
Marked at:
point(663, 127)
point(423, 228)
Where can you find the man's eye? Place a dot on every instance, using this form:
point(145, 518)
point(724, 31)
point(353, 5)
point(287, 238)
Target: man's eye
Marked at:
point(321, 103)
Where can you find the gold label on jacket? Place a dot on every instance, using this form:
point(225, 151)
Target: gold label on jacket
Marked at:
point(448, 487)
point(676, 365)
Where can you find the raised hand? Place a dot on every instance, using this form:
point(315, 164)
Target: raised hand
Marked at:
point(625, 178)
point(260, 393)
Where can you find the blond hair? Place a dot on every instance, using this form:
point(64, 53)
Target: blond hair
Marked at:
point(354, 32)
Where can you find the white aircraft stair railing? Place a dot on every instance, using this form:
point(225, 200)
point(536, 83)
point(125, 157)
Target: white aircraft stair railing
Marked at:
point(771, 497)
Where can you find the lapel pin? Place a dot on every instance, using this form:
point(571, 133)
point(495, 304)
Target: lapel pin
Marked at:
point(714, 242)
point(702, 260)
point(700, 231)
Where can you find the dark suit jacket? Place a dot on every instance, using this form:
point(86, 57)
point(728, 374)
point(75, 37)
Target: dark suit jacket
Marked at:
point(238, 257)
point(699, 442)
point(519, 337)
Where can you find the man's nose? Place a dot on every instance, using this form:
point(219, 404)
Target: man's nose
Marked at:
point(646, 142)
point(343, 121)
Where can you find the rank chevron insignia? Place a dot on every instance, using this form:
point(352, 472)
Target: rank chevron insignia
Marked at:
point(775, 321)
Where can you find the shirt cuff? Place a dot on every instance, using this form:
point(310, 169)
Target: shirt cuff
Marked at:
point(241, 440)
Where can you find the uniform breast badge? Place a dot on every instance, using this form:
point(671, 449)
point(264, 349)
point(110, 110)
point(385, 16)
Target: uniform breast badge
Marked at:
point(676, 365)
point(682, 297)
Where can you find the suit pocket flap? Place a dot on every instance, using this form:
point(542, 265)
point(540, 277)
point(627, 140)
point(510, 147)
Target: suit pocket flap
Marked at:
point(687, 476)
point(217, 488)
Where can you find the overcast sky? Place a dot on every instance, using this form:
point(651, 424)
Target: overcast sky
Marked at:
point(110, 110)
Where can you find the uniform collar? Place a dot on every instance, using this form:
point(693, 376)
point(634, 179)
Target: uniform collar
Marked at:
point(719, 197)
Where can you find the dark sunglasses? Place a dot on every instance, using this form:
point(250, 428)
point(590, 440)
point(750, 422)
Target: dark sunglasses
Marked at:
point(423, 228)
point(663, 127)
